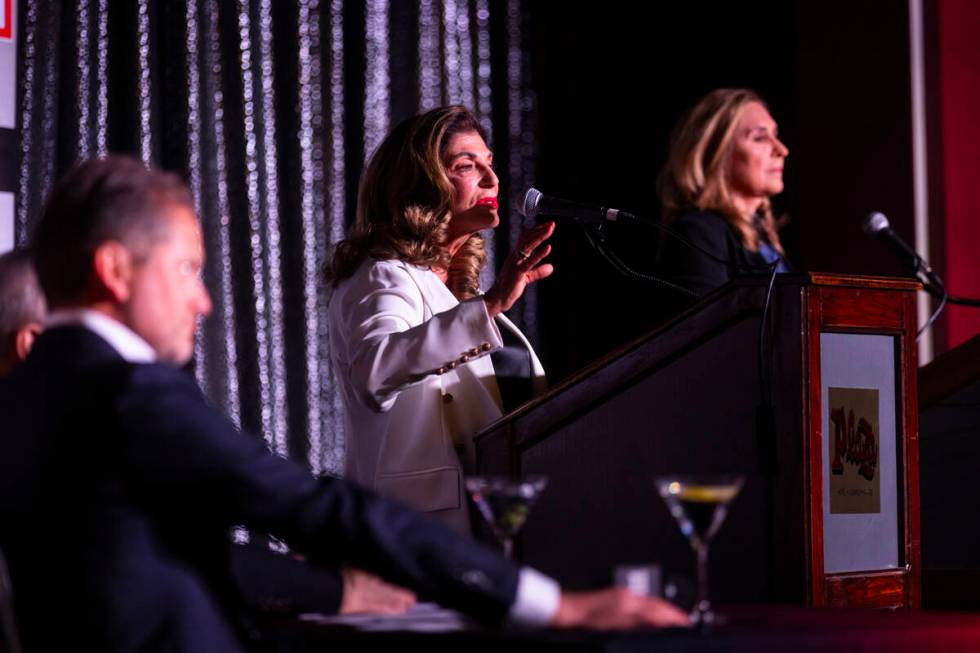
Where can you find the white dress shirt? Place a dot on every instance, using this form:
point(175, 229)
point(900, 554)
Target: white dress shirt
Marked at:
point(124, 340)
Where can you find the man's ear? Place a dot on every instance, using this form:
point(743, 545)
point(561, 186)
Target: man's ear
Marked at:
point(112, 265)
point(24, 339)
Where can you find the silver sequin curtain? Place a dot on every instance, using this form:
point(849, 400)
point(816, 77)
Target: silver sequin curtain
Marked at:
point(268, 109)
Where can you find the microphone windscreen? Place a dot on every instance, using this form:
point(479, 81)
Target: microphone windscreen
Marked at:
point(875, 223)
point(529, 208)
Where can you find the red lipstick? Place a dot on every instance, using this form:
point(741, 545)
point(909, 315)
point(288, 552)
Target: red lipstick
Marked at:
point(489, 202)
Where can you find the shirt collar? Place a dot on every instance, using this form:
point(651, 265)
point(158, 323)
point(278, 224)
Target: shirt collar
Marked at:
point(124, 340)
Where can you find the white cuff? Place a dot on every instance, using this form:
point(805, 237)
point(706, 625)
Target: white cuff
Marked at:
point(537, 600)
point(484, 319)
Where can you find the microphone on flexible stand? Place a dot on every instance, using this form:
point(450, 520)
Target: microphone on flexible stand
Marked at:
point(592, 218)
point(537, 203)
point(877, 225)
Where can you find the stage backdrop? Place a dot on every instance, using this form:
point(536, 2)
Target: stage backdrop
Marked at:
point(269, 110)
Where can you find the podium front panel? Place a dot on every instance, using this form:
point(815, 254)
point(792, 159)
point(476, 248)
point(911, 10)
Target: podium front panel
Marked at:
point(860, 491)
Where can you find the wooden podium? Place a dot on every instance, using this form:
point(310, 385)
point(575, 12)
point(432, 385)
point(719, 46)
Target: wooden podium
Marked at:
point(828, 514)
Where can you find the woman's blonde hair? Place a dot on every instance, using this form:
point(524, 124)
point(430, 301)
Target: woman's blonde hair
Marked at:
point(404, 204)
point(696, 174)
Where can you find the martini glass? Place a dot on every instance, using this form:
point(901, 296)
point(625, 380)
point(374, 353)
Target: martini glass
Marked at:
point(505, 503)
point(700, 505)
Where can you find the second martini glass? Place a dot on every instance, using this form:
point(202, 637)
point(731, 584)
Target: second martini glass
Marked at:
point(700, 505)
point(505, 503)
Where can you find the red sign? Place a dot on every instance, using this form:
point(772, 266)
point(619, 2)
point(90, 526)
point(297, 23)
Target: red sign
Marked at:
point(855, 485)
point(857, 446)
point(6, 19)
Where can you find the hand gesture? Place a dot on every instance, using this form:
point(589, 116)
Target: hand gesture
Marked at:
point(521, 268)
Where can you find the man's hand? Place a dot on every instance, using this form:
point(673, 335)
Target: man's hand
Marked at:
point(366, 593)
point(613, 609)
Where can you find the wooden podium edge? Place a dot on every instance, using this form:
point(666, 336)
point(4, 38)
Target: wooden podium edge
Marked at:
point(949, 372)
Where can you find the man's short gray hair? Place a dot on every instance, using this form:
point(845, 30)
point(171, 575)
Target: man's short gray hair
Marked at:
point(21, 299)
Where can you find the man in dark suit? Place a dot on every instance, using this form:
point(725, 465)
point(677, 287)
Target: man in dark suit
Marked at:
point(118, 483)
point(267, 580)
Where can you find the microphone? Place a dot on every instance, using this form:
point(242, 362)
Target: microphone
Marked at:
point(537, 203)
point(877, 225)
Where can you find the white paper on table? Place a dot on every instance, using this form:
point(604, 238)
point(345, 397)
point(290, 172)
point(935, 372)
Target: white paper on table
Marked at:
point(421, 618)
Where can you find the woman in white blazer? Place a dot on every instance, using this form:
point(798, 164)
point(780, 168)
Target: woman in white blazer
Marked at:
point(413, 342)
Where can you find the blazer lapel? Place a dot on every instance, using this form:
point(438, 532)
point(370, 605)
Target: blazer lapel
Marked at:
point(538, 382)
point(437, 296)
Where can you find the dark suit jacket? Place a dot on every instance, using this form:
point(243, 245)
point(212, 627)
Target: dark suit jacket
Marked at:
point(697, 272)
point(282, 583)
point(118, 485)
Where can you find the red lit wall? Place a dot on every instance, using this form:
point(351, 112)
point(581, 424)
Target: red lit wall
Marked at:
point(958, 23)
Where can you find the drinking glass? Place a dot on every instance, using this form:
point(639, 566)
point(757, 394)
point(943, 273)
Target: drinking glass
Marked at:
point(699, 503)
point(505, 503)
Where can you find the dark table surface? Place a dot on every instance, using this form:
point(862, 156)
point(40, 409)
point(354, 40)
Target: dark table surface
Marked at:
point(748, 628)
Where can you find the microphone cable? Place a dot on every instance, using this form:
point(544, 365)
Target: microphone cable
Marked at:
point(876, 225)
point(597, 239)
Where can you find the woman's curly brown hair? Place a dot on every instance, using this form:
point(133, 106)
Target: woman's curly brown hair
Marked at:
point(404, 204)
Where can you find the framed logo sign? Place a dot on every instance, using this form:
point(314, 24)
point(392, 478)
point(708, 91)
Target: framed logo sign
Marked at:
point(855, 481)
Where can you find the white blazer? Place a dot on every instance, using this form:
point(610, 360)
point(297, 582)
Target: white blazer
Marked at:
point(417, 383)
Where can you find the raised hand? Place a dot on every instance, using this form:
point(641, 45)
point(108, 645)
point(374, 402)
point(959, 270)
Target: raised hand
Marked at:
point(521, 268)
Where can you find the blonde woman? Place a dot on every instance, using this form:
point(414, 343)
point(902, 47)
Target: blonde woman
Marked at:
point(423, 358)
point(724, 164)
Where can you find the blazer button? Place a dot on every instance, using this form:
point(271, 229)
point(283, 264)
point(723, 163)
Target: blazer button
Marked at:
point(475, 351)
point(487, 346)
point(447, 398)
